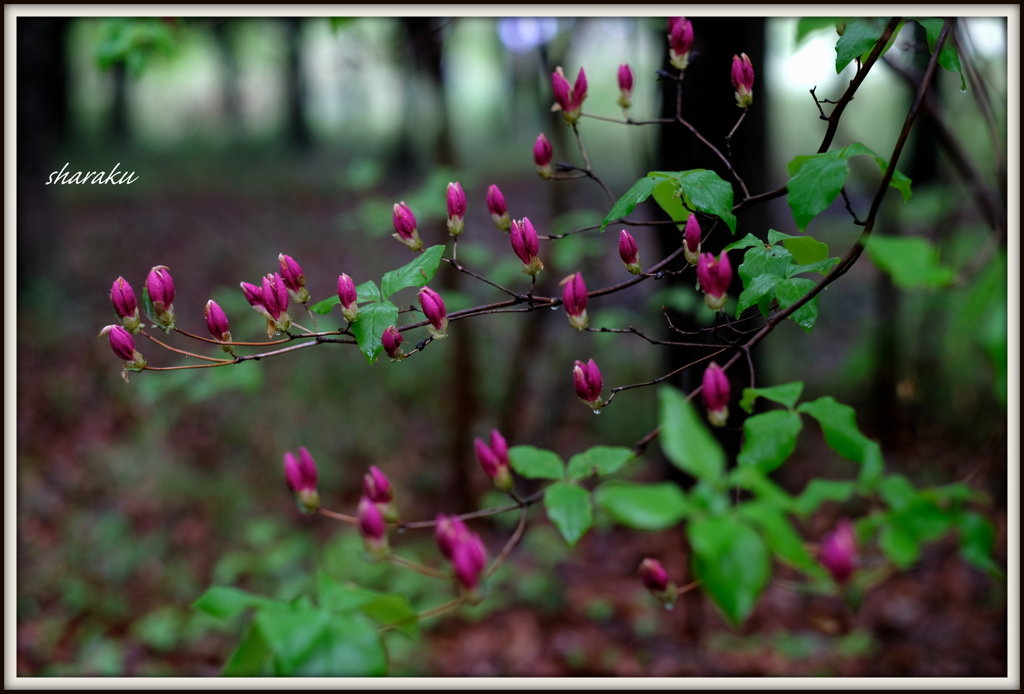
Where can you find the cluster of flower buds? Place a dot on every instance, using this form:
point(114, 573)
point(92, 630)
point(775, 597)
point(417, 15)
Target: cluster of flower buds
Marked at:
point(373, 529)
point(574, 298)
point(392, 342)
point(435, 312)
point(838, 552)
point(217, 323)
point(526, 246)
point(348, 298)
point(716, 393)
point(589, 384)
point(300, 473)
point(625, 86)
point(160, 290)
point(126, 308)
point(456, 209)
point(715, 276)
point(464, 549)
point(293, 278)
point(656, 580)
point(569, 100)
point(743, 80)
point(680, 39)
point(405, 226)
point(629, 253)
point(691, 239)
point(542, 154)
point(377, 489)
point(498, 209)
point(123, 344)
point(270, 301)
point(494, 460)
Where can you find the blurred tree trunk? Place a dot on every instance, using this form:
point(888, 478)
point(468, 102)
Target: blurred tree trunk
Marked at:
point(299, 136)
point(119, 128)
point(229, 75)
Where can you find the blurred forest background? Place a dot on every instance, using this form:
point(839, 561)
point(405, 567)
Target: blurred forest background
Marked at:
point(252, 137)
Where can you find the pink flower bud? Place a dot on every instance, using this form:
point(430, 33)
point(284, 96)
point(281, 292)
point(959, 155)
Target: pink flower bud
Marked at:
point(579, 90)
point(588, 382)
point(574, 296)
point(405, 226)
point(542, 156)
point(217, 322)
point(371, 520)
point(680, 39)
point(275, 296)
point(293, 278)
point(392, 340)
point(456, 209)
point(498, 209)
point(349, 298)
point(838, 552)
point(468, 560)
point(125, 306)
point(300, 474)
point(499, 446)
point(629, 253)
point(161, 288)
point(743, 80)
point(524, 241)
point(715, 392)
point(715, 277)
point(121, 342)
point(434, 309)
point(254, 295)
point(569, 101)
point(448, 532)
point(494, 460)
point(691, 237)
point(656, 580)
point(376, 486)
point(625, 76)
point(562, 90)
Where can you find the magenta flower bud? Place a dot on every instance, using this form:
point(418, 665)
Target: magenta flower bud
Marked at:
point(569, 101)
point(372, 528)
point(448, 532)
point(526, 246)
point(293, 278)
point(629, 253)
point(499, 446)
point(392, 340)
point(469, 557)
point(456, 209)
point(691, 237)
point(574, 296)
point(743, 80)
point(715, 277)
point(625, 86)
point(588, 382)
point(715, 391)
point(160, 288)
point(498, 209)
point(349, 298)
point(494, 460)
point(680, 38)
point(656, 580)
point(126, 308)
point(217, 322)
point(561, 89)
point(275, 299)
point(121, 342)
point(838, 552)
point(405, 226)
point(376, 486)
point(542, 154)
point(579, 90)
point(300, 474)
point(435, 311)
point(254, 295)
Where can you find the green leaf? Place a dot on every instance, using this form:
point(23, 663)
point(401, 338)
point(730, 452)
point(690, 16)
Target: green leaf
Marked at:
point(948, 57)
point(685, 439)
point(790, 291)
point(224, 602)
point(899, 181)
point(821, 267)
point(752, 480)
point(640, 191)
point(764, 261)
point(839, 424)
point(858, 38)
point(806, 250)
point(901, 548)
point(347, 647)
point(911, 261)
point(367, 291)
point(785, 394)
point(147, 305)
point(536, 463)
point(769, 439)
point(977, 537)
point(732, 563)
point(746, 242)
point(922, 520)
point(807, 26)
point(782, 537)
point(568, 507)
point(291, 633)
point(604, 460)
point(665, 196)
point(758, 292)
point(374, 319)
point(324, 307)
point(249, 658)
point(385, 608)
point(897, 492)
point(819, 491)
point(814, 183)
point(415, 274)
point(707, 192)
point(642, 506)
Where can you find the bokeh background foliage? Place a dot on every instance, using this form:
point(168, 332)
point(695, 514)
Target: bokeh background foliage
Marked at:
point(252, 137)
